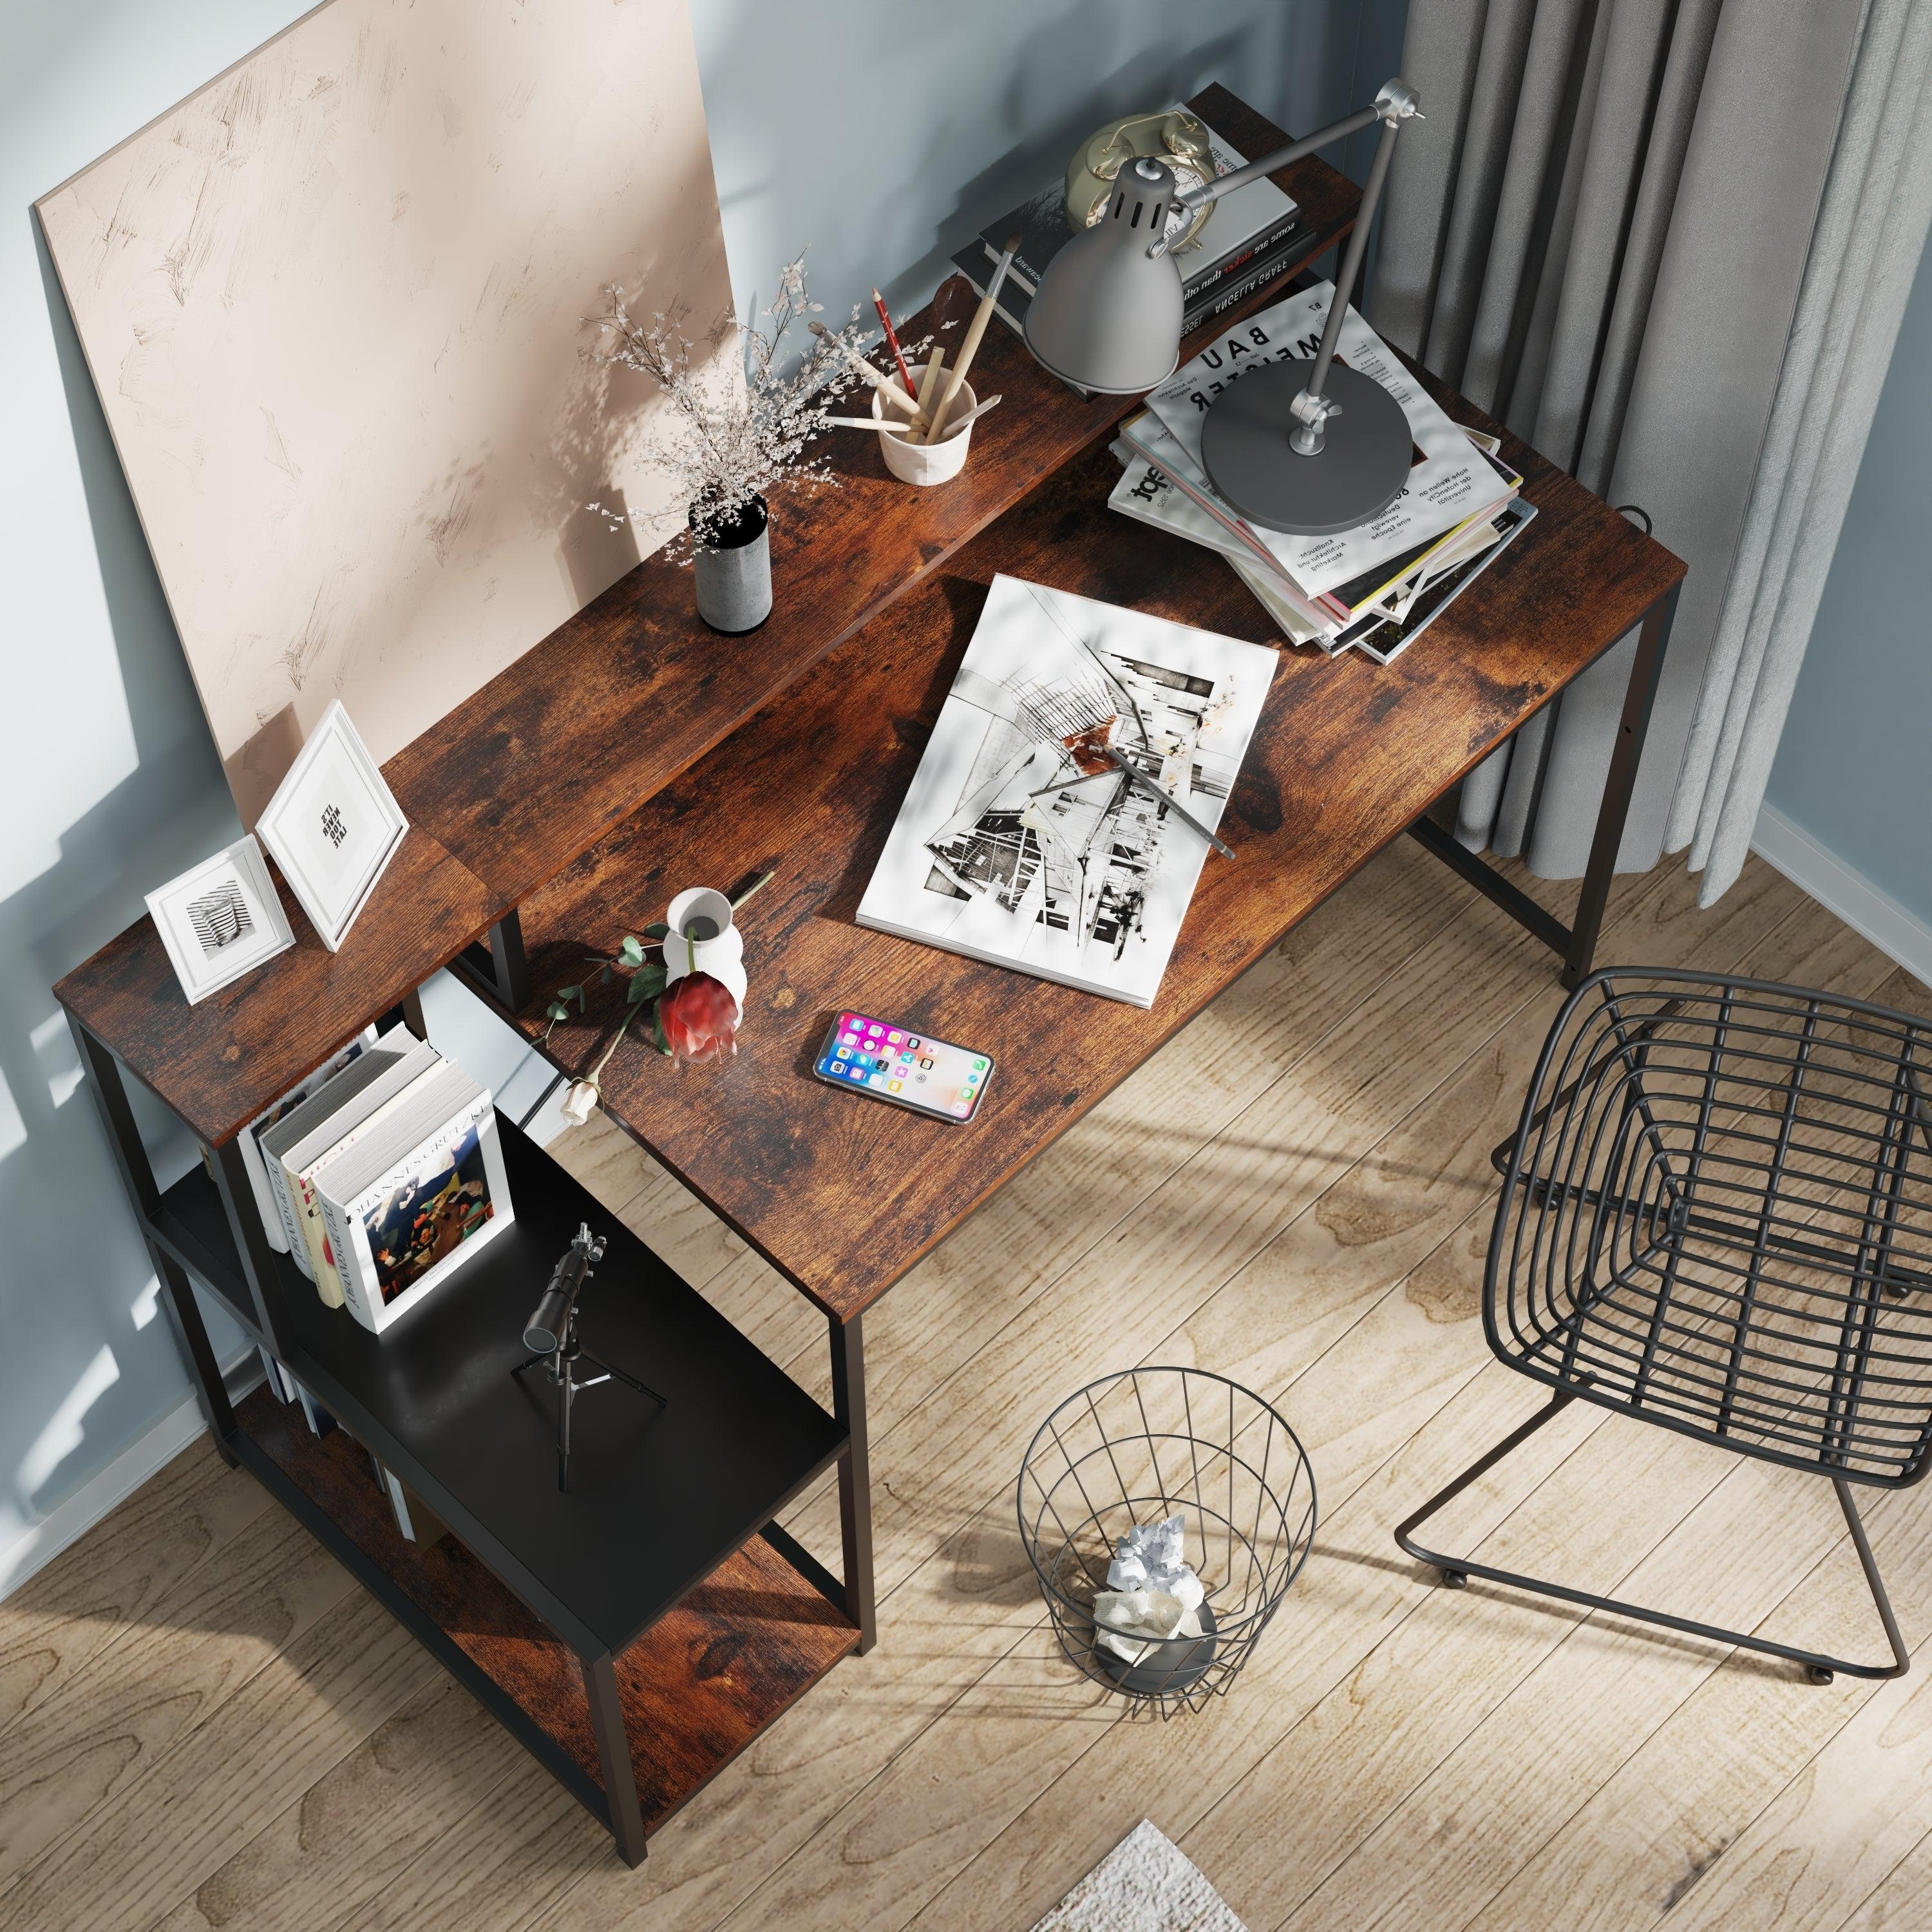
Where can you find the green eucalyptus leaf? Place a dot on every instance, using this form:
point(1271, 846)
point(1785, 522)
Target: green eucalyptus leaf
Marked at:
point(657, 929)
point(557, 1010)
point(632, 951)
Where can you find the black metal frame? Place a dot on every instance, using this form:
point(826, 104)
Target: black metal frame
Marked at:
point(1134, 1448)
point(496, 967)
point(1716, 1217)
point(1576, 942)
point(616, 1804)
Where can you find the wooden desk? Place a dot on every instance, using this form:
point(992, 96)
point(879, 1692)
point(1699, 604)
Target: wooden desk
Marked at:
point(633, 753)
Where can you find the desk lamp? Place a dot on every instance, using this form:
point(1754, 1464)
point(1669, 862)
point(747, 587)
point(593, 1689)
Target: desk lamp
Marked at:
point(1306, 447)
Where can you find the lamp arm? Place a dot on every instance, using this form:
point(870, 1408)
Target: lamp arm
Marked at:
point(1211, 191)
point(1311, 407)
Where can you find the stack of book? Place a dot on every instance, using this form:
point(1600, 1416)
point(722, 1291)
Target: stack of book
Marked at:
point(380, 1175)
point(1376, 588)
point(1252, 236)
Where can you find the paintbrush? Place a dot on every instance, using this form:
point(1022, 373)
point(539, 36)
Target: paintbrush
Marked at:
point(869, 422)
point(982, 316)
point(978, 408)
point(887, 387)
point(1135, 776)
point(893, 344)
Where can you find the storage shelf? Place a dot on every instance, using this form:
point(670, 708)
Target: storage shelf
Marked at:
point(697, 1687)
point(660, 1496)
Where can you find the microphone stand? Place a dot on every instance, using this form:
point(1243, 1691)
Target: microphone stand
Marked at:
point(552, 1332)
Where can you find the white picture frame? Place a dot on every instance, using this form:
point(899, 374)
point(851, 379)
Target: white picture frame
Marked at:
point(220, 919)
point(333, 826)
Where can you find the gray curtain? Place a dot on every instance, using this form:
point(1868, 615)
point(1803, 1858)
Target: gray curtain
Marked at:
point(1599, 234)
point(1871, 234)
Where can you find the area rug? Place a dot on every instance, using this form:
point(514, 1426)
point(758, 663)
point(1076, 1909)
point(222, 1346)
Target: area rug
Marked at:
point(1145, 1884)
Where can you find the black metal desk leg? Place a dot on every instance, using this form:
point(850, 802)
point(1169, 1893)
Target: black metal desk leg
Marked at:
point(855, 1474)
point(211, 1392)
point(614, 1757)
point(1639, 694)
point(498, 969)
point(259, 1266)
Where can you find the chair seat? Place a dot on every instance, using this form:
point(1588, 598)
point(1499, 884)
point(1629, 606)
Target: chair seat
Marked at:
point(1716, 1214)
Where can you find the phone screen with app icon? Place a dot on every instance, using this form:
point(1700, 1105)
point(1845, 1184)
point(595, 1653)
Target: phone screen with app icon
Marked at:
point(887, 1061)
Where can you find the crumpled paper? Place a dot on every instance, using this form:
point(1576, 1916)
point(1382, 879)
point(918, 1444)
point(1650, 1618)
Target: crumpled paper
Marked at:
point(1151, 1592)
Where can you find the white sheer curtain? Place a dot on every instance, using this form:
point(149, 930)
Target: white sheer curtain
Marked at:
point(1601, 234)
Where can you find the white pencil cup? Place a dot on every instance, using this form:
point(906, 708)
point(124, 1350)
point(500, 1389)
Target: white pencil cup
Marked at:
point(926, 463)
point(722, 954)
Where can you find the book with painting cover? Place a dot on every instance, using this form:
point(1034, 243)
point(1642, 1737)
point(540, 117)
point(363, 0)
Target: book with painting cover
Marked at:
point(413, 1205)
point(369, 1112)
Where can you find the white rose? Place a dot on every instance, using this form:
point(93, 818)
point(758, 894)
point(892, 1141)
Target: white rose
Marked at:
point(579, 1102)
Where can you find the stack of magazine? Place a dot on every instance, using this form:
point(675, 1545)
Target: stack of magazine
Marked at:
point(1252, 236)
point(1376, 588)
point(380, 1175)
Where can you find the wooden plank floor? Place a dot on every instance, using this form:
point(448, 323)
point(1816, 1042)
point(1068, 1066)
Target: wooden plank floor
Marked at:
point(204, 1724)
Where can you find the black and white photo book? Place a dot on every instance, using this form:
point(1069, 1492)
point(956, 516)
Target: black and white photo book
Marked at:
point(1021, 842)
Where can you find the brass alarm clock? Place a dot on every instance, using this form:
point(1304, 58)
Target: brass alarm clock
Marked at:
point(1172, 135)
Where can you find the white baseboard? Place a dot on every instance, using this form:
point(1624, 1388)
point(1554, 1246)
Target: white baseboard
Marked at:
point(1828, 879)
point(36, 1547)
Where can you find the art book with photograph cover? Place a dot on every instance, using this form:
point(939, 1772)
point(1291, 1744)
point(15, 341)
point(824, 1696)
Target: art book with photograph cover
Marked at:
point(1021, 841)
point(407, 1208)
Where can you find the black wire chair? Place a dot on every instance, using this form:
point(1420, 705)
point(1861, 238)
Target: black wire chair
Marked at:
point(1717, 1216)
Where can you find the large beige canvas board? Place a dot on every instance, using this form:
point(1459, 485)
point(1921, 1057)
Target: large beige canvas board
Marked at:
point(333, 303)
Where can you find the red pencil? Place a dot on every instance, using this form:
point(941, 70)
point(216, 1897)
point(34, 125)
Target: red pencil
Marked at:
point(892, 342)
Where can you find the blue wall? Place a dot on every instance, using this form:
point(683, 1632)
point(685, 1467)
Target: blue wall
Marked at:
point(1854, 768)
point(108, 781)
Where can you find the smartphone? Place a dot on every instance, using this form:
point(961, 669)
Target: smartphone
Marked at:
point(903, 1067)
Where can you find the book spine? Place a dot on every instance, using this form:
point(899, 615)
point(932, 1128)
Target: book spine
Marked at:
point(1195, 286)
point(1243, 286)
point(321, 1265)
point(265, 1208)
point(294, 1246)
point(361, 1294)
point(1292, 592)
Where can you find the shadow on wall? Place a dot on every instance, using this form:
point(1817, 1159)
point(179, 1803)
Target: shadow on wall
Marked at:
point(88, 1353)
point(979, 130)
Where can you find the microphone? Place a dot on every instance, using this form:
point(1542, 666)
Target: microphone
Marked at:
point(545, 1331)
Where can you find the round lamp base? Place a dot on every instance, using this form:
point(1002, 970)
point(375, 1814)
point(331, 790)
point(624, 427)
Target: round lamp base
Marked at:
point(1364, 463)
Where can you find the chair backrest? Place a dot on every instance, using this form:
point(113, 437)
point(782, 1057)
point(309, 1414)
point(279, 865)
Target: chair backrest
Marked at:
point(1716, 1214)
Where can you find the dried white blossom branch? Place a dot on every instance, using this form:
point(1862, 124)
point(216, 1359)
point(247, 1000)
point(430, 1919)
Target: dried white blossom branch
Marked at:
point(738, 428)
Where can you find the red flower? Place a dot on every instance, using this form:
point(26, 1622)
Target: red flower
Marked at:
point(700, 1018)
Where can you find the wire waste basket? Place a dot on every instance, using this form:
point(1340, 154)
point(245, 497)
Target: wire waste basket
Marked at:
point(1112, 1467)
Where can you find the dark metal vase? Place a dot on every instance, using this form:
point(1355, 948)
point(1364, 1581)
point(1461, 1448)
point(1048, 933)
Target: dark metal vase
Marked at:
point(732, 572)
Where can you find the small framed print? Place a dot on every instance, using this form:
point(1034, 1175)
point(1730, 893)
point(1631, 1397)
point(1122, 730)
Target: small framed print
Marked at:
point(221, 919)
point(333, 826)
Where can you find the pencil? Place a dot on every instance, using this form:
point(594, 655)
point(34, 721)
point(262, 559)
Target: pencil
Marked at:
point(869, 422)
point(975, 332)
point(892, 342)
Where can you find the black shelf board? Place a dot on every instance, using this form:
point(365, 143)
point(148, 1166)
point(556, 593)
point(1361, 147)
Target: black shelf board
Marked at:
point(660, 1495)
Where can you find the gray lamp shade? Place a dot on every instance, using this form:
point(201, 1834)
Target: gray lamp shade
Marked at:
point(1106, 315)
